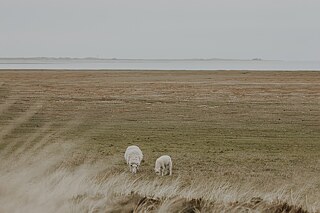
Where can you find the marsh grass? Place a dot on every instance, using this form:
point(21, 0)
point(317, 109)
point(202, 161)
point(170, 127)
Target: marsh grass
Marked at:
point(237, 141)
point(46, 183)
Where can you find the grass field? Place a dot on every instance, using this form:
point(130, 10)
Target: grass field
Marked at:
point(240, 141)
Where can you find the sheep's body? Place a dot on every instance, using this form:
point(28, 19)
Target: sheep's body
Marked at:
point(133, 157)
point(163, 165)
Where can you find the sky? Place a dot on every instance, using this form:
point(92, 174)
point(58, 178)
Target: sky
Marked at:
point(163, 29)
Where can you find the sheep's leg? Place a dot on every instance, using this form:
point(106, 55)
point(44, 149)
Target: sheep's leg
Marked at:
point(169, 169)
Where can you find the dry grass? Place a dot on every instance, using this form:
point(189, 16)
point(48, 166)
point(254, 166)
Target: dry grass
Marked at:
point(240, 141)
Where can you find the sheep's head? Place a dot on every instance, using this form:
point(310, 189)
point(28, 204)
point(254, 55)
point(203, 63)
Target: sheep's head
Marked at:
point(157, 171)
point(134, 167)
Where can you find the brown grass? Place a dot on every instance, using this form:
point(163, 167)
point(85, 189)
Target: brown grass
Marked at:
point(240, 141)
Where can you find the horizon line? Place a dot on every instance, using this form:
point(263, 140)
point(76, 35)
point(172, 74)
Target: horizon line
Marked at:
point(145, 59)
point(153, 59)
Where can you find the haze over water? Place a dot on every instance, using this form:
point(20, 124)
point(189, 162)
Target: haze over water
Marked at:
point(157, 64)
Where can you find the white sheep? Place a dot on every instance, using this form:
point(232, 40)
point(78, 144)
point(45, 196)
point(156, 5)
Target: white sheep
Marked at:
point(133, 157)
point(163, 165)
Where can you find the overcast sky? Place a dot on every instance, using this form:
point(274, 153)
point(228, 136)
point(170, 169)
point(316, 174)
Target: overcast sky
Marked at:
point(238, 29)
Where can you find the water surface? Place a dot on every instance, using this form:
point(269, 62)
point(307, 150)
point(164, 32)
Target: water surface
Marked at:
point(133, 64)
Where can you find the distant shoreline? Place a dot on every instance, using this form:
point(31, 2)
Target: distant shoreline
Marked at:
point(133, 59)
point(155, 70)
point(148, 59)
point(156, 64)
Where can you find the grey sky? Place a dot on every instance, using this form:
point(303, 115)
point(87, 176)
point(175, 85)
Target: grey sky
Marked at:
point(243, 29)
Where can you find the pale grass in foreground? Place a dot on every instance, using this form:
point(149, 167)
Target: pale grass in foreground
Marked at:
point(44, 184)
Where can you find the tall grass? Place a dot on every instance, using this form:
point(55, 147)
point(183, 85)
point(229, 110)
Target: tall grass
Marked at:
point(46, 183)
point(238, 142)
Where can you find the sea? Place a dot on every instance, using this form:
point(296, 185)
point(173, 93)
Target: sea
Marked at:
point(156, 64)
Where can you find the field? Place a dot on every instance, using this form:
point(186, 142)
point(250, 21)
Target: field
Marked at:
point(240, 141)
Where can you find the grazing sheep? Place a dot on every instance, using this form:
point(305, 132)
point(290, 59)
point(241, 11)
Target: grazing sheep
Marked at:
point(133, 157)
point(163, 165)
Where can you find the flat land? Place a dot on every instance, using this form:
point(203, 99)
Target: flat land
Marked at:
point(257, 129)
